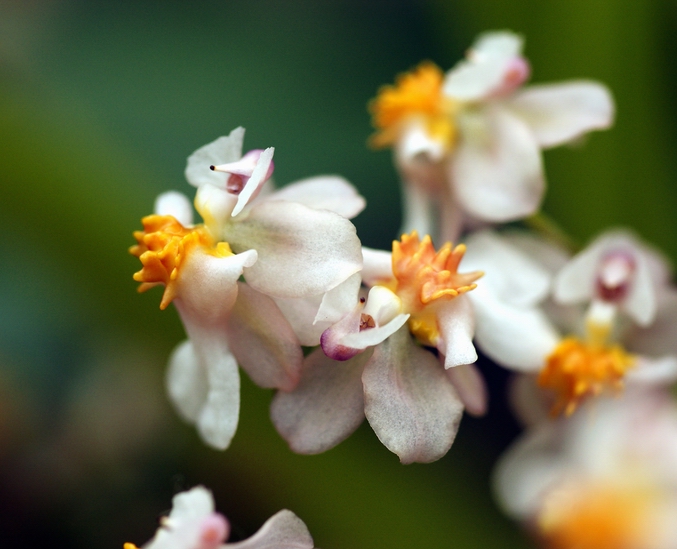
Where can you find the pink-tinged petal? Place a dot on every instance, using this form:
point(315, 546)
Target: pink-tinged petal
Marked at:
point(559, 113)
point(326, 406)
point(187, 383)
point(660, 337)
point(493, 67)
point(300, 313)
point(497, 169)
point(325, 192)
point(509, 274)
point(224, 149)
point(378, 266)
point(175, 204)
point(456, 322)
point(261, 173)
point(409, 401)
point(339, 301)
point(332, 338)
point(579, 280)
point(374, 336)
point(654, 371)
point(471, 388)
point(263, 342)
point(284, 530)
point(302, 252)
point(519, 338)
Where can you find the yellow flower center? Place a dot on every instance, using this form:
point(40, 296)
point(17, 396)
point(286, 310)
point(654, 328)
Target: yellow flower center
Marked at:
point(163, 246)
point(129, 546)
point(601, 516)
point(423, 278)
point(577, 370)
point(415, 94)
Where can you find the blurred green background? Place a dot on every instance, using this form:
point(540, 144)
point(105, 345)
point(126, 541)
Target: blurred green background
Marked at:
point(101, 103)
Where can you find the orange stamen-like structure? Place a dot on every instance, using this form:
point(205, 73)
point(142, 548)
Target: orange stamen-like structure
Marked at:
point(415, 94)
point(577, 370)
point(424, 277)
point(597, 516)
point(163, 246)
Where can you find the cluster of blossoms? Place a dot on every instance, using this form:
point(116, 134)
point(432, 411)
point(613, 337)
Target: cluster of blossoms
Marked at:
point(393, 333)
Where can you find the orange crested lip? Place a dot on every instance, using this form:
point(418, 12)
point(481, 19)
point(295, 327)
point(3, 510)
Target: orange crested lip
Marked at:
point(163, 246)
point(415, 94)
point(577, 370)
point(425, 276)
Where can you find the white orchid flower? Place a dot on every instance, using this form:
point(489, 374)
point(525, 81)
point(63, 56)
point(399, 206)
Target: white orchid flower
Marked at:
point(606, 477)
point(468, 143)
point(283, 249)
point(193, 524)
point(370, 363)
point(612, 319)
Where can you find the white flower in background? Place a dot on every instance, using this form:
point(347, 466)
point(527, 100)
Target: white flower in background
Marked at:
point(371, 363)
point(193, 524)
point(283, 249)
point(604, 479)
point(468, 143)
point(612, 319)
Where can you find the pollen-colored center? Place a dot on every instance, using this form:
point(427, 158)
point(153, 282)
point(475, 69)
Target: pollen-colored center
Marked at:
point(423, 277)
point(577, 370)
point(163, 246)
point(415, 94)
point(598, 516)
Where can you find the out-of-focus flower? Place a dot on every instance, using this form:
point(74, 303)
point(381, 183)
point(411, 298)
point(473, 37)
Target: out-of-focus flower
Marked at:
point(193, 524)
point(283, 249)
point(602, 479)
point(468, 143)
point(613, 319)
point(370, 364)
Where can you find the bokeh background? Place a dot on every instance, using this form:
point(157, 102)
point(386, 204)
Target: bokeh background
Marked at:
point(101, 103)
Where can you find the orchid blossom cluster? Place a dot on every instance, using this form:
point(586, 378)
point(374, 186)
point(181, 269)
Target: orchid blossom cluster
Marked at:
point(391, 336)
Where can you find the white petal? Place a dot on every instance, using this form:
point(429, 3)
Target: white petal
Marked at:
point(215, 206)
point(300, 313)
point(660, 337)
point(325, 192)
point(497, 169)
point(409, 402)
point(177, 205)
point(326, 406)
point(657, 371)
point(339, 301)
point(284, 530)
point(419, 206)
point(206, 360)
point(457, 328)
point(485, 69)
point(207, 286)
point(417, 145)
point(378, 266)
point(302, 252)
point(559, 113)
point(187, 383)
point(263, 342)
point(219, 416)
point(471, 388)
point(509, 274)
point(519, 338)
point(257, 179)
point(222, 150)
